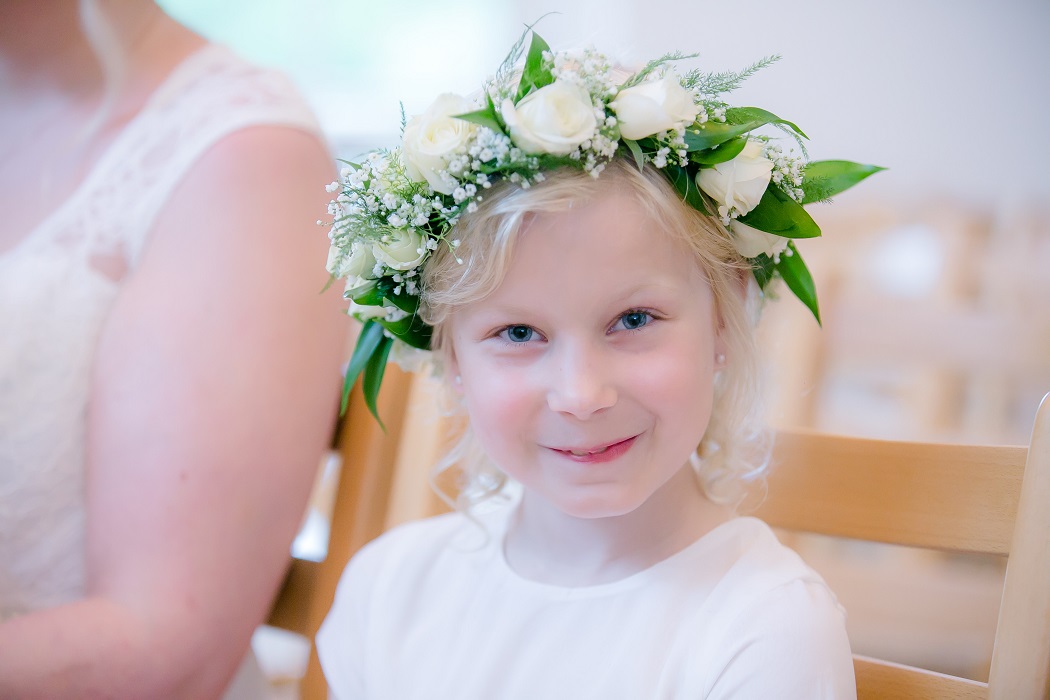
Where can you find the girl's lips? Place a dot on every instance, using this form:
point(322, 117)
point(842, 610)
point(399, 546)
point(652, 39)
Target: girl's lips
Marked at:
point(597, 455)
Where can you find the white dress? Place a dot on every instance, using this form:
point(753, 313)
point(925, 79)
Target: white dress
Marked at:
point(53, 304)
point(433, 610)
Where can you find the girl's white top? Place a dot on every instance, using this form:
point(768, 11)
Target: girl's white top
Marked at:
point(432, 610)
point(53, 304)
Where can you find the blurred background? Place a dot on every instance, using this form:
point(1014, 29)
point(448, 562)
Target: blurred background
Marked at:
point(932, 276)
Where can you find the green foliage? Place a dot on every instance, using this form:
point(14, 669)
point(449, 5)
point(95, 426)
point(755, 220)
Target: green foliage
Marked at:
point(486, 117)
point(636, 151)
point(683, 181)
point(764, 269)
point(757, 115)
point(823, 179)
point(367, 344)
point(373, 378)
point(536, 74)
point(649, 67)
point(796, 276)
point(723, 152)
point(714, 84)
point(714, 133)
point(739, 121)
point(779, 214)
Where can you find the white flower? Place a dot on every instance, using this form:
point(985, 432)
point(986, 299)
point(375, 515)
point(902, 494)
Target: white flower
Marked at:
point(555, 119)
point(403, 250)
point(654, 106)
point(750, 242)
point(738, 184)
point(432, 137)
point(358, 267)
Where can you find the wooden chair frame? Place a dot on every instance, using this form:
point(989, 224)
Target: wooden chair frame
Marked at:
point(983, 499)
point(358, 516)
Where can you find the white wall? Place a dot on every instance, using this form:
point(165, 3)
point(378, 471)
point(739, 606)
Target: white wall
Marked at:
point(951, 96)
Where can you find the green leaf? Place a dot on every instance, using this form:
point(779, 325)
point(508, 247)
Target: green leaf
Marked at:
point(739, 121)
point(374, 376)
point(797, 278)
point(636, 151)
point(753, 115)
point(683, 181)
point(779, 214)
point(764, 269)
point(370, 338)
point(826, 178)
point(726, 151)
point(367, 294)
point(486, 117)
point(714, 133)
point(534, 75)
point(417, 334)
point(408, 303)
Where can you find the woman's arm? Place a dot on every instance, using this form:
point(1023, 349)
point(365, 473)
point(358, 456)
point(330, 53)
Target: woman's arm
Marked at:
point(213, 397)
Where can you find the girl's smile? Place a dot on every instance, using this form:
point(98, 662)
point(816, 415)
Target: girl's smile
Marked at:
point(596, 455)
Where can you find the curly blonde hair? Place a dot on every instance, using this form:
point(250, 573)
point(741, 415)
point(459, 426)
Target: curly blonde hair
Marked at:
point(735, 447)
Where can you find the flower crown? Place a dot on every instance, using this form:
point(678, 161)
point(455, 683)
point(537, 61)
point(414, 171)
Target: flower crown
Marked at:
point(565, 109)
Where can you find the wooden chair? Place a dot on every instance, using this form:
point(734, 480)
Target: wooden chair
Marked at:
point(956, 498)
point(359, 515)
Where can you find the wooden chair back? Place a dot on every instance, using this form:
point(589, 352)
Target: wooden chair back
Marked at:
point(359, 514)
point(956, 498)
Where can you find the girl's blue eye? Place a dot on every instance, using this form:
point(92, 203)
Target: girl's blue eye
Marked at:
point(519, 334)
point(633, 320)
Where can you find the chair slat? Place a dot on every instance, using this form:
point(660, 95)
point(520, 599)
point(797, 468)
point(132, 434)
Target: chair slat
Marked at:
point(895, 492)
point(1021, 658)
point(877, 679)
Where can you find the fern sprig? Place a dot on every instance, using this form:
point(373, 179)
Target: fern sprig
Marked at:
point(653, 65)
point(714, 84)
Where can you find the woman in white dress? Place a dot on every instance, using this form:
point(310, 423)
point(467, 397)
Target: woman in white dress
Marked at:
point(168, 368)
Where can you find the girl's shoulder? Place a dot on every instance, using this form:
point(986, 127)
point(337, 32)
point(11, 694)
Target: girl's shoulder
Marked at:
point(419, 545)
point(749, 566)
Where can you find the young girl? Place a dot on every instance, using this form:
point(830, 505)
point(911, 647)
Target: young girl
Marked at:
point(594, 321)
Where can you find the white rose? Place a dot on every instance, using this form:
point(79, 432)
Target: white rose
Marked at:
point(555, 119)
point(739, 183)
point(653, 106)
point(750, 242)
point(357, 267)
point(403, 250)
point(337, 262)
point(431, 137)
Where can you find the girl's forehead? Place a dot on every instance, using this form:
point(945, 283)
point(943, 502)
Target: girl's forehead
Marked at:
point(601, 247)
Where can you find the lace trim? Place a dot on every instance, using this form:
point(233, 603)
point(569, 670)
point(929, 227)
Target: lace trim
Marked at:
point(211, 94)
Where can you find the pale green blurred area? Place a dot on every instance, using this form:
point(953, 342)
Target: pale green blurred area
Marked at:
point(357, 61)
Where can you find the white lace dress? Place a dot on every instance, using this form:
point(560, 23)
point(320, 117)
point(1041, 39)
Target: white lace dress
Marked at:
point(53, 303)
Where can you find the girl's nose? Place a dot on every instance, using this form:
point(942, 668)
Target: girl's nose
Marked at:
point(581, 384)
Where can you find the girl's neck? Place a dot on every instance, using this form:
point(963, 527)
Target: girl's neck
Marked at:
point(547, 545)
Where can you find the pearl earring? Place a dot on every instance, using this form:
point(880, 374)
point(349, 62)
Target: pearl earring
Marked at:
point(457, 379)
point(720, 359)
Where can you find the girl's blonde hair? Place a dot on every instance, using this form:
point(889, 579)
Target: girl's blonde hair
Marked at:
point(735, 447)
